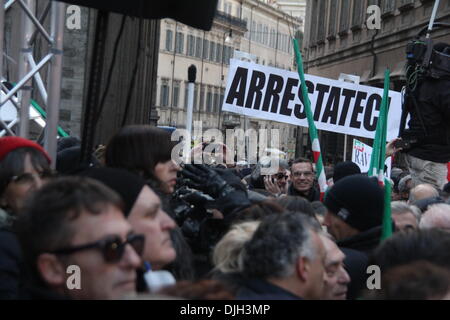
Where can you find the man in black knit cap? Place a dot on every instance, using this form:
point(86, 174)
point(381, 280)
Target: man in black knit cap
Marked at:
point(345, 169)
point(355, 211)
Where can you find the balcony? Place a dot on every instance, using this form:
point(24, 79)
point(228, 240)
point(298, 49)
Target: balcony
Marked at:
point(230, 20)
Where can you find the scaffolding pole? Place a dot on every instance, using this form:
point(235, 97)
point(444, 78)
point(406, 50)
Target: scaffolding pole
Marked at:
point(54, 92)
point(2, 38)
point(27, 30)
point(29, 67)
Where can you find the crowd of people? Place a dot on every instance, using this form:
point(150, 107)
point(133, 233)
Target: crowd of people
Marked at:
point(136, 224)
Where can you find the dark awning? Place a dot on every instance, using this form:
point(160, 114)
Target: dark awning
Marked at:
point(195, 13)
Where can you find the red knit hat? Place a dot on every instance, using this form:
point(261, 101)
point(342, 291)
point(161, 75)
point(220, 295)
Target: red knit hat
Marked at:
point(8, 144)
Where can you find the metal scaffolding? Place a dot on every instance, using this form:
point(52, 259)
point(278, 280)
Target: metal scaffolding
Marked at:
point(29, 68)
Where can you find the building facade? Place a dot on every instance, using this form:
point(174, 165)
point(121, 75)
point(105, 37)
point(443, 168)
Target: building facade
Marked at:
point(338, 41)
point(296, 8)
point(254, 27)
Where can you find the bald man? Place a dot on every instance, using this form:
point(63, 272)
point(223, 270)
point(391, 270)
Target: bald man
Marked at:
point(422, 191)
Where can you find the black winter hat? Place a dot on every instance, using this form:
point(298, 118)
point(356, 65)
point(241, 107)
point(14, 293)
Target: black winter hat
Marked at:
point(358, 200)
point(125, 183)
point(344, 169)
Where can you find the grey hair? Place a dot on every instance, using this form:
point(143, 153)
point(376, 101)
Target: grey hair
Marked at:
point(401, 207)
point(430, 192)
point(227, 255)
point(437, 216)
point(277, 244)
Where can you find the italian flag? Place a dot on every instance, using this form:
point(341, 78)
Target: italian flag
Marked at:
point(320, 172)
point(377, 160)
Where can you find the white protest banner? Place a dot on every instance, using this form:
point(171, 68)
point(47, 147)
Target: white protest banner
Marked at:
point(361, 155)
point(274, 94)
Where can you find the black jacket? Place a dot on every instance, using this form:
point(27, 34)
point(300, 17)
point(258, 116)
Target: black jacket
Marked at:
point(433, 97)
point(365, 241)
point(10, 265)
point(255, 289)
point(357, 250)
point(314, 194)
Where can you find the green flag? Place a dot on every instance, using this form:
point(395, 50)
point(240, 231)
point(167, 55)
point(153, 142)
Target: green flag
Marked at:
point(378, 158)
point(321, 177)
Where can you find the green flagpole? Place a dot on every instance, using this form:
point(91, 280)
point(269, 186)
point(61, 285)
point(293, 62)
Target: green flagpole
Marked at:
point(378, 159)
point(387, 216)
point(312, 127)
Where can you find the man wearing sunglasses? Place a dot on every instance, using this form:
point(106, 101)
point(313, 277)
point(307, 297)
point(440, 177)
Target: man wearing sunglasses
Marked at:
point(78, 222)
point(277, 184)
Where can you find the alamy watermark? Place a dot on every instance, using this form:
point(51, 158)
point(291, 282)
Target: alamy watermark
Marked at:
point(73, 282)
point(73, 17)
point(374, 280)
point(237, 145)
point(374, 20)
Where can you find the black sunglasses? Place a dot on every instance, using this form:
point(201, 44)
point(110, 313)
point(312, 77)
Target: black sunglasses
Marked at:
point(281, 176)
point(112, 248)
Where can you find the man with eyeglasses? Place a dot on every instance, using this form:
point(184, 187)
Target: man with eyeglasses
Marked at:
point(302, 180)
point(77, 224)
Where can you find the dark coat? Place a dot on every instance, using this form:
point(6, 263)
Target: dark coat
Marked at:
point(255, 289)
point(10, 265)
point(434, 102)
point(365, 241)
point(314, 194)
point(357, 250)
point(356, 263)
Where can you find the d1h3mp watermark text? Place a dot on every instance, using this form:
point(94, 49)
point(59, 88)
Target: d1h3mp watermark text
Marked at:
point(215, 147)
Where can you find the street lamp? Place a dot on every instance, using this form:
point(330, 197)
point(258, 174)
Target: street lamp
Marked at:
point(227, 38)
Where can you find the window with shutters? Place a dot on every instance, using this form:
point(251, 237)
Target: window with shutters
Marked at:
point(179, 43)
point(387, 7)
point(219, 53)
point(358, 14)
point(226, 55)
point(313, 30)
point(190, 45)
point(272, 38)
point(198, 47)
point(205, 49)
point(209, 100)
point(247, 33)
point(169, 40)
point(266, 35)
point(259, 33)
point(176, 94)
point(344, 17)
point(323, 20)
point(164, 94)
point(253, 31)
point(212, 51)
point(332, 20)
point(216, 100)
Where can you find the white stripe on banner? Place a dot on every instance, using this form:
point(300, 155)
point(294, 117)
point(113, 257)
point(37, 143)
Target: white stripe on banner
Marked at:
point(274, 94)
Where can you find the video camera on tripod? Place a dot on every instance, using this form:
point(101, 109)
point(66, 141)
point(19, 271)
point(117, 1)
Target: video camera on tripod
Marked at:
point(425, 60)
point(429, 59)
